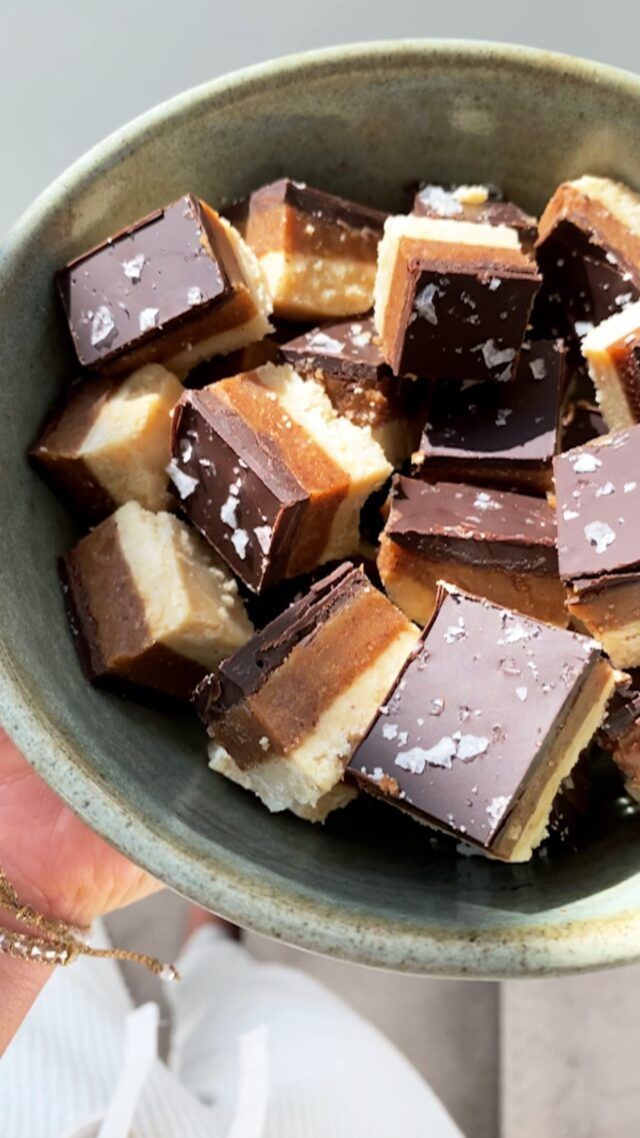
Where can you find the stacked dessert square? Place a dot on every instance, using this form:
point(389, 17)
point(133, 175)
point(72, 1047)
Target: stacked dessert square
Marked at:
point(423, 431)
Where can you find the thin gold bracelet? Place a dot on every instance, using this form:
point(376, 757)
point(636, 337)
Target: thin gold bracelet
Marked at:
point(56, 942)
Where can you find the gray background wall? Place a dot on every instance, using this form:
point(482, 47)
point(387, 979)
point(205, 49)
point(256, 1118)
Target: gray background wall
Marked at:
point(71, 71)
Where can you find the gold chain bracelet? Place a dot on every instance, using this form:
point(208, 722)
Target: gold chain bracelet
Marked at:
point(56, 942)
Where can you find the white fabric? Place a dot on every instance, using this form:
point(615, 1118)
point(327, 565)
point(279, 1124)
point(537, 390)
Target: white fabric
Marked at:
point(258, 1051)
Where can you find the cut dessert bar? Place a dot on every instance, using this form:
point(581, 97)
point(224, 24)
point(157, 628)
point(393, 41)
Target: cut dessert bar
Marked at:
point(484, 204)
point(177, 287)
point(612, 350)
point(452, 298)
point(620, 734)
point(498, 434)
point(589, 249)
point(494, 544)
point(598, 510)
point(108, 442)
point(318, 251)
point(285, 711)
point(347, 361)
point(488, 717)
point(271, 475)
point(149, 603)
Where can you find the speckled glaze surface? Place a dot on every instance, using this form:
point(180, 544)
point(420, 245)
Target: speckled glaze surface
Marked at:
point(363, 121)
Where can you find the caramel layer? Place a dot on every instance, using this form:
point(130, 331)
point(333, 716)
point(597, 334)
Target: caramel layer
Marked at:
point(284, 228)
point(411, 581)
point(326, 483)
point(288, 706)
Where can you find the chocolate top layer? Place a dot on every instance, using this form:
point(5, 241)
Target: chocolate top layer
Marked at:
point(440, 201)
point(515, 421)
point(598, 503)
point(315, 203)
point(163, 269)
point(247, 670)
point(347, 349)
point(475, 526)
point(236, 487)
point(593, 280)
point(467, 721)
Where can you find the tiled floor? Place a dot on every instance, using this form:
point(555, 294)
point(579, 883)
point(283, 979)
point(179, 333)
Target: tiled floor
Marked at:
point(527, 1059)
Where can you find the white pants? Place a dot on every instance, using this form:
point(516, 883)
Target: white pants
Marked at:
point(258, 1051)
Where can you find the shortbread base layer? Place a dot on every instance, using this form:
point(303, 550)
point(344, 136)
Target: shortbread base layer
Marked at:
point(340, 796)
point(306, 774)
point(307, 287)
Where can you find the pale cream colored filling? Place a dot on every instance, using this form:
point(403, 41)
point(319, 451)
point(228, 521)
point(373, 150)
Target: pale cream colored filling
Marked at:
point(351, 447)
point(622, 202)
point(596, 348)
point(315, 767)
point(315, 287)
point(128, 446)
point(340, 795)
point(428, 229)
point(622, 645)
point(221, 343)
point(527, 827)
point(191, 601)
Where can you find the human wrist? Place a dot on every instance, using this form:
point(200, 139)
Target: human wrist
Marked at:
point(53, 902)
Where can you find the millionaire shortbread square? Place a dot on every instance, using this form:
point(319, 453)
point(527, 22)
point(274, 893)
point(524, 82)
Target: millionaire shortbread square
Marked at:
point(485, 722)
point(286, 710)
point(452, 298)
point(598, 509)
point(177, 287)
point(150, 605)
point(317, 250)
point(491, 543)
point(271, 474)
point(589, 249)
point(498, 434)
point(109, 442)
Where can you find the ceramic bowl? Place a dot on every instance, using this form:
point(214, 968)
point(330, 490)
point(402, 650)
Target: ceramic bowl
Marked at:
point(369, 887)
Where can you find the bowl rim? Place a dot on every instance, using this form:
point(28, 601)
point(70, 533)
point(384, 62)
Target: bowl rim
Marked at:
point(243, 894)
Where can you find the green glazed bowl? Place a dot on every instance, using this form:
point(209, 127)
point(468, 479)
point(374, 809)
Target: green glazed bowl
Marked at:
point(369, 886)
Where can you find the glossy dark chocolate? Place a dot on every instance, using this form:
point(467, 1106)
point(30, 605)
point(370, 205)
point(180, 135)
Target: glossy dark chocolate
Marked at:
point(433, 200)
point(502, 434)
point(348, 349)
point(235, 487)
point(598, 507)
point(473, 526)
point(346, 358)
point(468, 721)
point(318, 204)
point(147, 287)
point(247, 670)
point(457, 312)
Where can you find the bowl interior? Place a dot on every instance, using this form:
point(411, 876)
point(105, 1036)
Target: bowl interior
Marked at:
point(370, 886)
